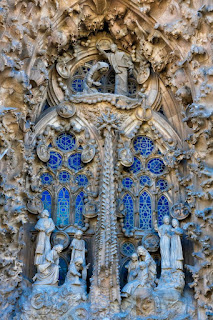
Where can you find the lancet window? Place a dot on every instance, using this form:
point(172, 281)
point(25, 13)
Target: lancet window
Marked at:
point(144, 187)
point(63, 181)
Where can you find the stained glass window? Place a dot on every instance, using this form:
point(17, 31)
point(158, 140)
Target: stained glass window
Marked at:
point(65, 142)
point(74, 162)
point(63, 207)
point(162, 184)
point(135, 167)
point(128, 249)
point(46, 178)
point(55, 160)
point(81, 180)
point(163, 209)
point(129, 210)
point(145, 211)
point(144, 145)
point(145, 180)
point(127, 182)
point(77, 85)
point(156, 166)
point(79, 205)
point(47, 200)
point(64, 176)
point(62, 270)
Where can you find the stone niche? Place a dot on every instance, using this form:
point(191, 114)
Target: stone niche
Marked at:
point(106, 171)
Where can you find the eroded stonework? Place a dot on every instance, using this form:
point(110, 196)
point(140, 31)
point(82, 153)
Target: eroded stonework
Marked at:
point(106, 159)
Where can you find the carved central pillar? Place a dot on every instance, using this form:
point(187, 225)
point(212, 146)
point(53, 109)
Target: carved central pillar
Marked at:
point(105, 289)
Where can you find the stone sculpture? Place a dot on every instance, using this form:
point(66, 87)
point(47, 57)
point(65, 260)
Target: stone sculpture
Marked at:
point(176, 247)
point(74, 281)
point(164, 233)
point(143, 255)
point(121, 64)
point(79, 251)
point(91, 81)
point(45, 226)
point(141, 280)
point(48, 271)
point(132, 267)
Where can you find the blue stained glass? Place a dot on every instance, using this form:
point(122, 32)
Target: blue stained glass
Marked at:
point(55, 160)
point(81, 180)
point(163, 209)
point(63, 207)
point(128, 249)
point(65, 142)
point(62, 270)
point(74, 162)
point(64, 176)
point(144, 145)
point(156, 166)
point(135, 167)
point(145, 211)
point(79, 206)
point(46, 178)
point(47, 200)
point(129, 217)
point(127, 182)
point(77, 85)
point(145, 180)
point(162, 184)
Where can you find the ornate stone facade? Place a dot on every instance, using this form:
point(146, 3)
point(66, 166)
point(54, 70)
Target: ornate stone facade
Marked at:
point(106, 159)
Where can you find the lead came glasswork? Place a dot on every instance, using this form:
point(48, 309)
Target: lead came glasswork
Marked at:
point(144, 145)
point(55, 160)
point(128, 249)
point(63, 207)
point(47, 200)
point(145, 180)
point(64, 176)
point(163, 209)
point(156, 166)
point(81, 180)
point(145, 211)
point(129, 214)
point(135, 167)
point(46, 178)
point(127, 182)
point(79, 205)
point(74, 162)
point(65, 142)
point(162, 184)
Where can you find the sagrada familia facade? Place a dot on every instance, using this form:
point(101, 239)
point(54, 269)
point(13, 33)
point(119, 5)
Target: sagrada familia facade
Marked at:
point(106, 159)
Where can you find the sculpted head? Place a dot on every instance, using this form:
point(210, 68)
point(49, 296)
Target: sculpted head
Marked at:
point(78, 234)
point(134, 257)
point(175, 223)
point(45, 214)
point(113, 47)
point(141, 251)
point(78, 262)
point(58, 248)
point(103, 67)
point(166, 220)
point(142, 265)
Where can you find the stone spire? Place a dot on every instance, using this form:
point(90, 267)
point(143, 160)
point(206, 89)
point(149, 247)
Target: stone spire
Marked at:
point(105, 289)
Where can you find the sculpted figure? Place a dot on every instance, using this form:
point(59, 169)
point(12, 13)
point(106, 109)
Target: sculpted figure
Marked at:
point(141, 280)
point(92, 78)
point(176, 247)
point(45, 226)
point(132, 267)
point(48, 271)
point(164, 233)
point(143, 255)
point(78, 251)
point(121, 64)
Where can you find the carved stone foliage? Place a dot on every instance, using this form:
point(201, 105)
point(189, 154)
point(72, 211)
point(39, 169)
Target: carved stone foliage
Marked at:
point(47, 49)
